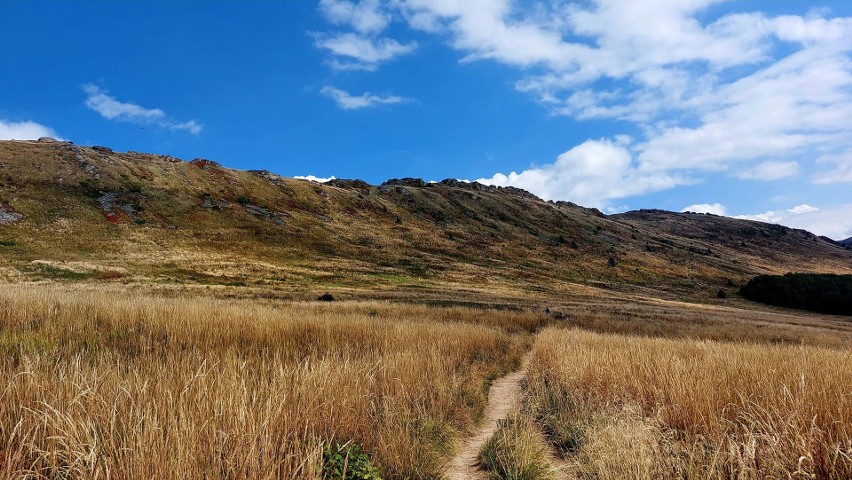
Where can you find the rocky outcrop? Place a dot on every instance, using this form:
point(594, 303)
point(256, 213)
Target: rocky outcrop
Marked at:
point(406, 182)
point(348, 183)
point(8, 214)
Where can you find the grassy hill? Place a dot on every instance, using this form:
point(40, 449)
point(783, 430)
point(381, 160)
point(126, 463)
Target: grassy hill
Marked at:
point(76, 213)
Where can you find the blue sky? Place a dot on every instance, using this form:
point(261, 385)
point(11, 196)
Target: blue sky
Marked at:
point(736, 107)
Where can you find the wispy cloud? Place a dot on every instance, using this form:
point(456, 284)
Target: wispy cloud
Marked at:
point(769, 171)
point(352, 51)
point(348, 101)
point(841, 171)
point(364, 48)
point(367, 16)
point(25, 130)
point(112, 109)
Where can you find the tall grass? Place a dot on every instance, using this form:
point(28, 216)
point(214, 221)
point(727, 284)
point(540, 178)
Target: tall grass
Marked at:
point(628, 407)
point(516, 452)
point(136, 386)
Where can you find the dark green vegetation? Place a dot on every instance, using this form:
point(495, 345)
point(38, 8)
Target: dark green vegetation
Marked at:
point(824, 293)
point(348, 462)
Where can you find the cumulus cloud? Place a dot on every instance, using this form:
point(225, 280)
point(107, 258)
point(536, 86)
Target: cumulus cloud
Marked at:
point(110, 108)
point(315, 179)
point(748, 94)
point(347, 101)
point(708, 93)
point(590, 174)
point(24, 130)
point(714, 208)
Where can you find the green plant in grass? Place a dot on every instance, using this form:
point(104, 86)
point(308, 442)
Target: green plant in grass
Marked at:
point(347, 461)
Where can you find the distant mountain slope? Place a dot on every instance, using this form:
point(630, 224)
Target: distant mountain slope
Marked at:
point(70, 212)
point(847, 242)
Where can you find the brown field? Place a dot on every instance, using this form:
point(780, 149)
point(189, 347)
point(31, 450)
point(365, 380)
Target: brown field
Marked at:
point(131, 386)
point(100, 383)
point(625, 407)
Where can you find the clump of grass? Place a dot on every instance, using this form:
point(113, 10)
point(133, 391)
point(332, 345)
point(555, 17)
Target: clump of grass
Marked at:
point(662, 408)
point(516, 452)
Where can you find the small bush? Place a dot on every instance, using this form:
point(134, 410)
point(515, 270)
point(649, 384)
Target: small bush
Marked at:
point(348, 462)
point(721, 294)
point(326, 297)
point(243, 200)
point(611, 262)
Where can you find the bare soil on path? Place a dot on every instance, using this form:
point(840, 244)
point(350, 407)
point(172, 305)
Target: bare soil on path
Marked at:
point(503, 396)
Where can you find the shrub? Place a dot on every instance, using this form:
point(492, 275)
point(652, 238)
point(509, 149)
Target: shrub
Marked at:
point(721, 294)
point(347, 461)
point(326, 297)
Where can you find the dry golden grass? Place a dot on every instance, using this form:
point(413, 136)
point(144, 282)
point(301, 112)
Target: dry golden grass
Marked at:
point(138, 386)
point(517, 451)
point(629, 407)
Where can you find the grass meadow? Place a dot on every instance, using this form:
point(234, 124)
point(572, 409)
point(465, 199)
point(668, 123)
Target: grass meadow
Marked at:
point(617, 406)
point(101, 385)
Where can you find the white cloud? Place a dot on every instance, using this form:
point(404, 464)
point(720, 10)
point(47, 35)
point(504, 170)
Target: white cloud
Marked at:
point(708, 95)
point(24, 131)
point(714, 208)
point(770, 170)
point(590, 174)
point(841, 173)
point(749, 94)
point(347, 101)
point(315, 179)
point(353, 51)
point(365, 48)
point(367, 16)
point(835, 222)
point(113, 109)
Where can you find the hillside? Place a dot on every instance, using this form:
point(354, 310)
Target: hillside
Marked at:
point(71, 213)
point(847, 242)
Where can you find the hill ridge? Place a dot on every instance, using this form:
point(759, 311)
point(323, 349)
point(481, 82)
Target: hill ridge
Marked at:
point(166, 220)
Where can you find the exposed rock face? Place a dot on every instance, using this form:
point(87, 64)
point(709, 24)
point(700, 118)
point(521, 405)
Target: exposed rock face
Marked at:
point(47, 140)
point(204, 164)
point(8, 214)
point(347, 183)
point(406, 182)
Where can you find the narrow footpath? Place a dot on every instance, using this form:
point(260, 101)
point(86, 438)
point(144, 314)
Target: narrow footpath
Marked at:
point(503, 396)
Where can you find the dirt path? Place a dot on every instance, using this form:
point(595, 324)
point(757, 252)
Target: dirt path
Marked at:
point(503, 395)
